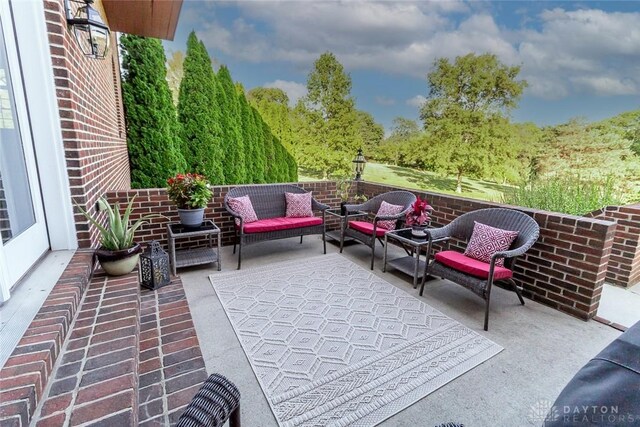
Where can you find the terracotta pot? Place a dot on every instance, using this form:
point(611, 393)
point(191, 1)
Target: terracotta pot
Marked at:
point(118, 263)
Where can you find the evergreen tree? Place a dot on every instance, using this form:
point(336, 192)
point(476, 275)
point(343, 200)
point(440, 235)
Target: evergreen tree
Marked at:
point(270, 171)
point(152, 126)
point(258, 148)
point(248, 146)
point(199, 114)
point(231, 122)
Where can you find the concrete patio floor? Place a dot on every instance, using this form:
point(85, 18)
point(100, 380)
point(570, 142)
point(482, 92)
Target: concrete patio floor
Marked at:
point(543, 348)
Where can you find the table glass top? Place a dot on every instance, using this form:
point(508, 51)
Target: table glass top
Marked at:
point(405, 234)
point(207, 225)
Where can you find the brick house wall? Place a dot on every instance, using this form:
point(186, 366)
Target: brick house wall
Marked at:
point(91, 117)
point(565, 269)
point(624, 264)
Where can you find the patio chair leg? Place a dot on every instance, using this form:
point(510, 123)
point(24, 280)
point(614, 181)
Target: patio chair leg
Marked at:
point(234, 418)
point(234, 247)
point(486, 317)
point(517, 289)
point(300, 239)
point(341, 241)
point(239, 255)
point(373, 253)
point(324, 242)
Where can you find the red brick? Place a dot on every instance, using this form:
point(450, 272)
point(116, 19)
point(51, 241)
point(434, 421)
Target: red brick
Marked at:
point(56, 404)
point(101, 408)
point(105, 388)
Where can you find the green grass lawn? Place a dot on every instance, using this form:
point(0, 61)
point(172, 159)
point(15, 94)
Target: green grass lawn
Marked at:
point(428, 181)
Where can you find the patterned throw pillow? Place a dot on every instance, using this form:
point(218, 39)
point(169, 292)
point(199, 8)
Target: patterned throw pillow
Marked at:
point(486, 241)
point(244, 208)
point(298, 205)
point(387, 209)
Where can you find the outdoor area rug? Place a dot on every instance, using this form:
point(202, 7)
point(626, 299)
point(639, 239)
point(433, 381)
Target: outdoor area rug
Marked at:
point(333, 344)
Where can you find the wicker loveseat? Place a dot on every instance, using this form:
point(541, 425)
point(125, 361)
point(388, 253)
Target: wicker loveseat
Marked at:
point(269, 203)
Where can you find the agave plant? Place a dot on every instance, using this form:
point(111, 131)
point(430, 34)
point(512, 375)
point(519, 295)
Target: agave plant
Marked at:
point(117, 235)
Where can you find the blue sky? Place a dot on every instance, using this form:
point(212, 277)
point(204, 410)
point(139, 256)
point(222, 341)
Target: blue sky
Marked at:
point(581, 59)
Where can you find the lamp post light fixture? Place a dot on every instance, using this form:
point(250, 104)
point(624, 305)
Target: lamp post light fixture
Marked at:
point(88, 27)
point(358, 165)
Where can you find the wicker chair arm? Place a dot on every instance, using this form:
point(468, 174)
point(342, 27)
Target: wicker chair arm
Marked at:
point(317, 206)
point(512, 253)
point(440, 233)
point(391, 217)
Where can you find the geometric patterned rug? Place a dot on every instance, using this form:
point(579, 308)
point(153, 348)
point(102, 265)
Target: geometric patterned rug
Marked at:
point(333, 344)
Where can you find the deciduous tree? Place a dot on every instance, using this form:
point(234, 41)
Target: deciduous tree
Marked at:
point(467, 99)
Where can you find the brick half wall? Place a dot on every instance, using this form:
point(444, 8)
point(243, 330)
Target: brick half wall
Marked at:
point(156, 201)
point(624, 265)
point(565, 269)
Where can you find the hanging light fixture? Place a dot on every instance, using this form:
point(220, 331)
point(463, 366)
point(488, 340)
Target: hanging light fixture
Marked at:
point(87, 26)
point(358, 164)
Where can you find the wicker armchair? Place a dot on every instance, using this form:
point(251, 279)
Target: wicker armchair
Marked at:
point(269, 202)
point(461, 229)
point(370, 209)
point(217, 401)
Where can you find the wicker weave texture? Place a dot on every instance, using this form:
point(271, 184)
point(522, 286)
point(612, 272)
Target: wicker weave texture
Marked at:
point(212, 406)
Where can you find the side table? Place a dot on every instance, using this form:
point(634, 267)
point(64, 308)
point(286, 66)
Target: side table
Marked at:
point(336, 235)
point(410, 264)
point(188, 257)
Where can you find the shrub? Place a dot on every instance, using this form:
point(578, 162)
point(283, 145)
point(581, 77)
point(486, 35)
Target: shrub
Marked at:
point(566, 194)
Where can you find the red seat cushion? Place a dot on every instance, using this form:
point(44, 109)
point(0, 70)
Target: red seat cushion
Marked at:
point(367, 228)
point(282, 223)
point(471, 266)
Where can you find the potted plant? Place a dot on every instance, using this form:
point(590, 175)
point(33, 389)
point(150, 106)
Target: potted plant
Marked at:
point(118, 254)
point(191, 194)
point(417, 217)
point(343, 191)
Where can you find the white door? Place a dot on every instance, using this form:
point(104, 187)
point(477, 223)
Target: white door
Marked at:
point(22, 222)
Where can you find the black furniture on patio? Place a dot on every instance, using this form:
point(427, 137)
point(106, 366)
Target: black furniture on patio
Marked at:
point(217, 401)
point(605, 390)
point(478, 276)
point(270, 206)
point(368, 232)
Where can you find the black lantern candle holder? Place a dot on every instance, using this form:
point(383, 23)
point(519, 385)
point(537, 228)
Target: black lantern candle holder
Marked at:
point(154, 267)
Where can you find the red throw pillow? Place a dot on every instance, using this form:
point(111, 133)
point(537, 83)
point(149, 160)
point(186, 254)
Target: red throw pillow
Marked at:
point(486, 241)
point(387, 209)
point(298, 205)
point(243, 207)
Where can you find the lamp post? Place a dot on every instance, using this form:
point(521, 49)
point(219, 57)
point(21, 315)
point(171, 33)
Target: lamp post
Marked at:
point(358, 165)
point(88, 28)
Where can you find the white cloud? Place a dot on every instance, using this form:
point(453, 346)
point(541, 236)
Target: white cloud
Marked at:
point(294, 90)
point(417, 101)
point(580, 51)
point(383, 100)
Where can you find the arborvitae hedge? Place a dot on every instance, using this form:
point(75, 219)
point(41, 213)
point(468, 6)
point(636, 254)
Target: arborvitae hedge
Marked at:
point(216, 133)
point(198, 113)
point(152, 126)
point(234, 159)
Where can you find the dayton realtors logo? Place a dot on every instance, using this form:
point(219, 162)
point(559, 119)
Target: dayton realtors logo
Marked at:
point(545, 411)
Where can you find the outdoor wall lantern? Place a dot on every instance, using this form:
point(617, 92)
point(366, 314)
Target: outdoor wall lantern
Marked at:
point(358, 165)
point(154, 267)
point(87, 26)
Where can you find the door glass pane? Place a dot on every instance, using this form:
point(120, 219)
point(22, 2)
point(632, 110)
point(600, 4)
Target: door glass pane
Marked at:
point(16, 206)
